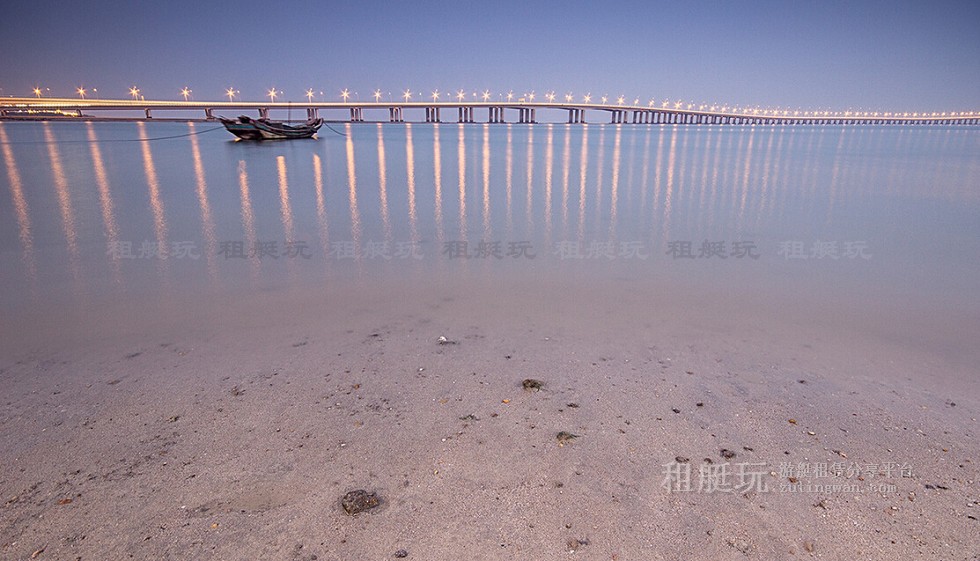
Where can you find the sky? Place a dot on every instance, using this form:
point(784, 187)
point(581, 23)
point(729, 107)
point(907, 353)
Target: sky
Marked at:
point(893, 55)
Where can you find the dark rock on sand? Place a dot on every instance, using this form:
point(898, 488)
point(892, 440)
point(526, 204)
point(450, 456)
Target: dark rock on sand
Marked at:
point(355, 502)
point(532, 385)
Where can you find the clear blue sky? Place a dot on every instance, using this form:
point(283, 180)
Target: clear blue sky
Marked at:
point(892, 55)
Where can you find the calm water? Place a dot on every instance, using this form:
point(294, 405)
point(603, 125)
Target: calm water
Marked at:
point(886, 218)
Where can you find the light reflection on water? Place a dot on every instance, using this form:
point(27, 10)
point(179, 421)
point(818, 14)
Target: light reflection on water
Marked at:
point(909, 194)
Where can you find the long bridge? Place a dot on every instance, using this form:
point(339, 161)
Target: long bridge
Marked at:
point(469, 112)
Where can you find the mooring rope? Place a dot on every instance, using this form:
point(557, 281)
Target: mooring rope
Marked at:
point(101, 140)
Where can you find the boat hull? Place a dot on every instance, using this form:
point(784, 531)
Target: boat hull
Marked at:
point(246, 128)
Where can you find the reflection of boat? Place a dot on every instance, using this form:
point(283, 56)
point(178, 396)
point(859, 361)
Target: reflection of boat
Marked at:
point(247, 128)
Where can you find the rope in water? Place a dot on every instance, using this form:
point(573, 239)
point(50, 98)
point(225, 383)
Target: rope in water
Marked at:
point(171, 137)
point(87, 141)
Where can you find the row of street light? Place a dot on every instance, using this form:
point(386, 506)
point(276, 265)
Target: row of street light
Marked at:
point(529, 97)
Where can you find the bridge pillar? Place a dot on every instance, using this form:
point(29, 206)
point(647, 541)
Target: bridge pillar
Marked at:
point(263, 113)
point(208, 114)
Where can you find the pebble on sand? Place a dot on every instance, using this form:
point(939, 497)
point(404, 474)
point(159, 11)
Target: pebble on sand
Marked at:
point(532, 385)
point(565, 437)
point(357, 501)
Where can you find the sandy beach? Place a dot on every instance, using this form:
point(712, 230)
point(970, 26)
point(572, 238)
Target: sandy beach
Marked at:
point(230, 429)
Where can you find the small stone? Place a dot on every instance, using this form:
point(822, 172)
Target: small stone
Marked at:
point(565, 437)
point(809, 546)
point(532, 385)
point(574, 544)
point(401, 553)
point(727, 454)
point(355, 502)
point(682, 459)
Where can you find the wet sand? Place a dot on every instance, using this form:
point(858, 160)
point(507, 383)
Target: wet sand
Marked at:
point(229, 428)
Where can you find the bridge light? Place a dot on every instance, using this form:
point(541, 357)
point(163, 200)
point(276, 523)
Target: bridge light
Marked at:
point(460, 95)
point(486, 95)
point(37, 92)
point(135, 92)
point(551, 96)
point(185, 92)
point(620, 100)
point(377, 96)
point(587, 98)
point(407, 94)
point(81, 92)
point(272, 94)
point(345, 93)
point(510, 95)
point(435, 95)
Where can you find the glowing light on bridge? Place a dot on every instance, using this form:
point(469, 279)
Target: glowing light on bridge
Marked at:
point(186, 92)
point(272, 93)
point(621, 100)
point(309, 95)
point(135, 92)
point(587, 98)
point(81, 92)
point(377, 95)
point(530, 96)
point(230, 92)
point(435, 95)
point(486, 95)
point(407, 94)
point(551, 96)
point(460, 95)
point(37, 92)
point(605, 99)
point(510, 95)
point(568, 98)
point(345, 94)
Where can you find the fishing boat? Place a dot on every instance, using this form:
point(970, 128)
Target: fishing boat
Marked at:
point(248, 128)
